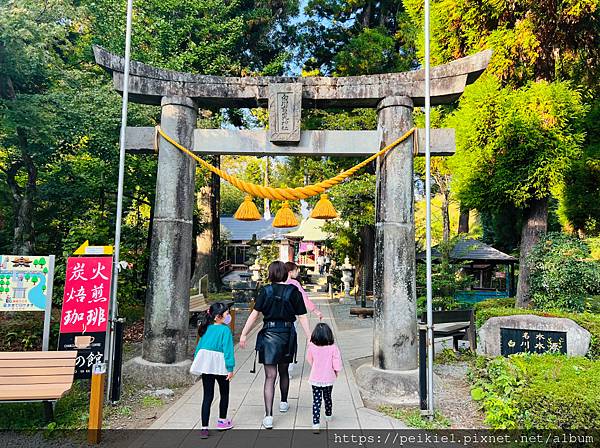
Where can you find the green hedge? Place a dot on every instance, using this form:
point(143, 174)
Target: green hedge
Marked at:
point(505, 307)
point(538, 391)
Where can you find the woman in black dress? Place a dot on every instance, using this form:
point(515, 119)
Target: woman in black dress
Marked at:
point(276, 343)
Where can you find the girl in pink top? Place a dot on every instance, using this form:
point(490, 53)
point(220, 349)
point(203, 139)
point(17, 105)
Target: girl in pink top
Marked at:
point(293, 272)
point(324, 357)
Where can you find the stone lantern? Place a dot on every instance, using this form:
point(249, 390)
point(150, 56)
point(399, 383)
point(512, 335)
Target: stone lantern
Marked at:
point(347, 270)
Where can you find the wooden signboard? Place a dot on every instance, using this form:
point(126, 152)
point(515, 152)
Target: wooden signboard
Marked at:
point(84, 317)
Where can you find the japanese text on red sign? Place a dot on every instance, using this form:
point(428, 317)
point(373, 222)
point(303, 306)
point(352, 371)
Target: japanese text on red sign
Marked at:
point(85, 300)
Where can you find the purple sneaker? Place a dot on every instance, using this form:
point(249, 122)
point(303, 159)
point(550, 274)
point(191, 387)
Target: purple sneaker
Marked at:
point(224, 424)
point(204, 433)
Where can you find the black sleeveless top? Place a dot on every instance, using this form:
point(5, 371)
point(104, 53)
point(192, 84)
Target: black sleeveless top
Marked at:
point(270, 302)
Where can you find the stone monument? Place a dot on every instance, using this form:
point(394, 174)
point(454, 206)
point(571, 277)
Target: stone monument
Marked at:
point(527, 333)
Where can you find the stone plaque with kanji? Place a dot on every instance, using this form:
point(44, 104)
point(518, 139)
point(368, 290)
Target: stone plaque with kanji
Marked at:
point(285, 105)
point(517, 340)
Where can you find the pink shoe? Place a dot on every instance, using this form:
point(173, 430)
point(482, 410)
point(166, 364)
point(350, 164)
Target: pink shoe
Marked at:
point(224, 424)
point(204, 433)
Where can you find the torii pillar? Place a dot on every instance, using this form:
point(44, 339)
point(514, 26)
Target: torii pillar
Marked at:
point(167, 308)
point(392, 377)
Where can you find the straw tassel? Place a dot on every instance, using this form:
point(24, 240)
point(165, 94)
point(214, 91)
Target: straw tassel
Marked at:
point(285, 217)
point(247, 211)
point(324, 209)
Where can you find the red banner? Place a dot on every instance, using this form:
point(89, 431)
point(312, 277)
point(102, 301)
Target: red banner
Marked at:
point(87, 292)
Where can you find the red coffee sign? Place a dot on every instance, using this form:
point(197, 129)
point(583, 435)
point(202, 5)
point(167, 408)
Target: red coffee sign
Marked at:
point(87, 289)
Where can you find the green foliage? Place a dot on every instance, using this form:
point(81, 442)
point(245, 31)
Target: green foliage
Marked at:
point(357, 37)
point(355, 202)
point(450, 356)
point(562, 275)
point(496, 388)
point(538, 391)
point(267, 253)
point(527, 44)
point(579, 207)
point(438, 304)
point(446, 276)
point(372, 51)
point(414, 419)
point(204, 36)
point(514, 146)
point(150, 401)
point(506, 307)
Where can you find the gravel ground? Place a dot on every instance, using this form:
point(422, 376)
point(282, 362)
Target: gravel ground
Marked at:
point(455, 397)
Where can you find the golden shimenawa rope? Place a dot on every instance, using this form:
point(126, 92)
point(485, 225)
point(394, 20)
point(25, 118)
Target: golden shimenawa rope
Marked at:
point(283, 194)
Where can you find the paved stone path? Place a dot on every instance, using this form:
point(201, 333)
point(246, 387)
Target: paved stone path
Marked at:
point(246, 398)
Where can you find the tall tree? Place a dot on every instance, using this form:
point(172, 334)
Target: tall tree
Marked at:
point(532, 41)
point(514, 147)
point(357, 38)
point(34, 39)
point(213, 37)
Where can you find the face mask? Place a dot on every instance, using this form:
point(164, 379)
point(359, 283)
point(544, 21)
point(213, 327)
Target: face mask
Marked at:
point(227, 319)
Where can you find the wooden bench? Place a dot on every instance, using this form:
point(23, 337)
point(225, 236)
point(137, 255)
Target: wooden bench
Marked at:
point(198, 304)
point(36, 377)
point(458, 324)
point(361, 312)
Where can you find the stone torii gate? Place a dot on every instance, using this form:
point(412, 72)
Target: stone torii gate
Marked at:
point(393, 376)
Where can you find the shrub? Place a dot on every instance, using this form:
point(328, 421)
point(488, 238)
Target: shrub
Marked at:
point(563, 274)
point(446, 276)
point(590, 321)
point(439, 304)
point(538, 391)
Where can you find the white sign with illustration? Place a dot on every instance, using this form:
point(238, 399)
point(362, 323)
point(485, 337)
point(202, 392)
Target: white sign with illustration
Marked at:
point(25, 282)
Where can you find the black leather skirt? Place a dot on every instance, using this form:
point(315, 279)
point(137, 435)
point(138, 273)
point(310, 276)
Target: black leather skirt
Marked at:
point(277, 345)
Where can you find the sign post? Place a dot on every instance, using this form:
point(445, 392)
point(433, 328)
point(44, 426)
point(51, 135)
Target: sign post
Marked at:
point(96, 403)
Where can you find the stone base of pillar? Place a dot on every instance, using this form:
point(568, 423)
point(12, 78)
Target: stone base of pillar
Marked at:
point(140, 371)
point(399, 388)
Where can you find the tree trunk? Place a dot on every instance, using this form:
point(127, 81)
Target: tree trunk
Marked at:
point(204, 239)
point(23, 198)
point(24, 235)
point(214, 277)
point(535, 225)
point(446, 215)
point(366, 259)
point(463, 220)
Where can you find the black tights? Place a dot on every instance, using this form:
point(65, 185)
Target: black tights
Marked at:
point(208, 386)
point(284, 384)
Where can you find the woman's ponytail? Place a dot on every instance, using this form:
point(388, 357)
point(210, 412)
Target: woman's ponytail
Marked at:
point(208, 318)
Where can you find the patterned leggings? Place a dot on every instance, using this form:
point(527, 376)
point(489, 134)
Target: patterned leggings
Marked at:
point(319, 392)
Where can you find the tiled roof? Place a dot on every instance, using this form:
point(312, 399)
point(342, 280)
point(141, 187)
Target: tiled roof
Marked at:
point(243, 230)
point(469, 249)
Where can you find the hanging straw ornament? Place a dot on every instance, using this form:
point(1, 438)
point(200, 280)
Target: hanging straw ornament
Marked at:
point(247, 210)
point(324, 209)
point(285, 217)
